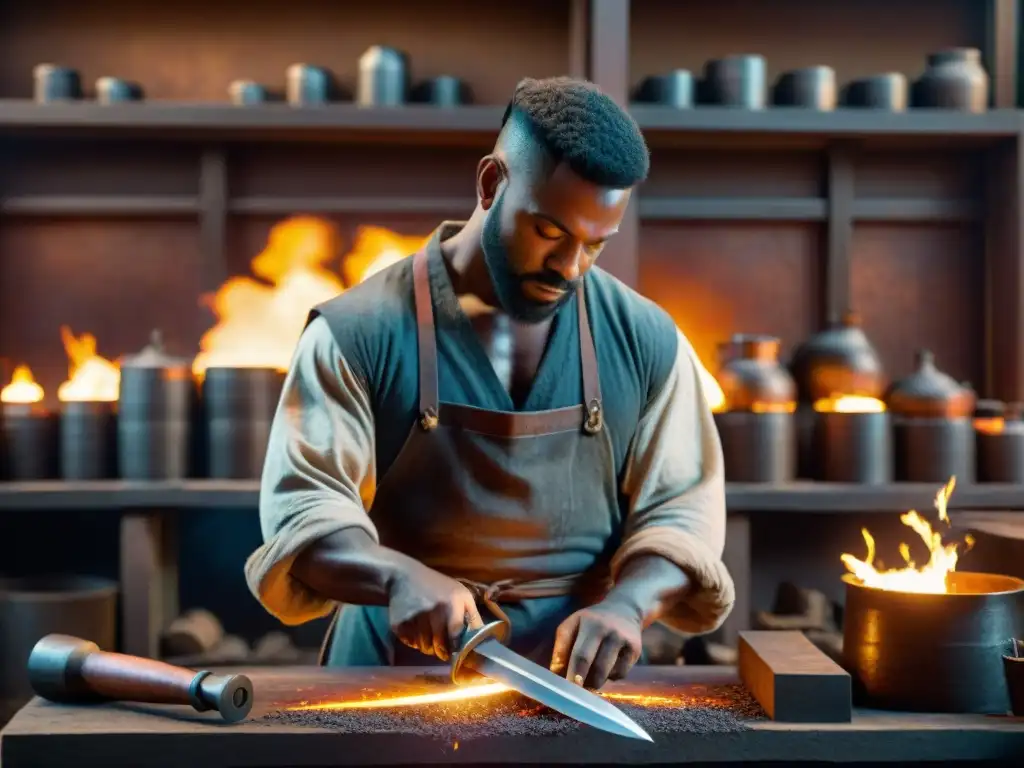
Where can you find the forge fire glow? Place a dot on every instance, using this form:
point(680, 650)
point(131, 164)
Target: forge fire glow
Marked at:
point(260, 318)
point(930, 578)
point(477, 692)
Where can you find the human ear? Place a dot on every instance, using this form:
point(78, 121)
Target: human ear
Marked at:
point(490, 172)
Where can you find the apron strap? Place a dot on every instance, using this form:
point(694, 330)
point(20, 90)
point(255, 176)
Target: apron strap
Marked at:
point(429, 405)
point(588, 358)
point(426, 341)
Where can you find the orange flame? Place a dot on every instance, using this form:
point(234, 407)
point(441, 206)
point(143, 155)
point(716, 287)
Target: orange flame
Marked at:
point(23, 388)
point(712, 390)
point(260, 321)
point(480, 691)
point(91, 378)
point(929, 578)
point(849, 404)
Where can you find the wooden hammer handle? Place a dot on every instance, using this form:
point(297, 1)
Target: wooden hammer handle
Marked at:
point(119, 677)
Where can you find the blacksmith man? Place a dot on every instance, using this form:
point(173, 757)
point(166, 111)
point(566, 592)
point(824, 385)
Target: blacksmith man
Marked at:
point(498, 426)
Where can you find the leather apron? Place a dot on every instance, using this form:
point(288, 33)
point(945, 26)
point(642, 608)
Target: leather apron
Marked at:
point(521, 507)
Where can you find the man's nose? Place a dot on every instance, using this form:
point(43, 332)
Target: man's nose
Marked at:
point(567, 260)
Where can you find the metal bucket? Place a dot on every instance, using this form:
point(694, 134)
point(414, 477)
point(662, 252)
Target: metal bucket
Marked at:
point(32, 607)
point(933, 652)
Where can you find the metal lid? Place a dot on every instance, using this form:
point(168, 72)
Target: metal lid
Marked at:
point(989, 409)
point(154, 356)
point(928, 392)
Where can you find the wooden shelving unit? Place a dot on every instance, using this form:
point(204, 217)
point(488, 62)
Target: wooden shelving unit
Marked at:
point(768, 221)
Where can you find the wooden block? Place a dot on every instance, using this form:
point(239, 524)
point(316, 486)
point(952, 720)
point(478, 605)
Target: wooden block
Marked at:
point(793, 680)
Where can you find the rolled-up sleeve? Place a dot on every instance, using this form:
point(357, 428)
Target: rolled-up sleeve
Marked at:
point(319, 474)
point(675, 483)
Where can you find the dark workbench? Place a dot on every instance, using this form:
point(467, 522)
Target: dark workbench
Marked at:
point(44, 734)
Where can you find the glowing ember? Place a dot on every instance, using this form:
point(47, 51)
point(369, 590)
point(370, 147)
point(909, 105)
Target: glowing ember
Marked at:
point(927, 579)
point(454, 694)
point(91, 378)
point(486, 690)
point(260, 321)
point(849, 404)
point(22, 389)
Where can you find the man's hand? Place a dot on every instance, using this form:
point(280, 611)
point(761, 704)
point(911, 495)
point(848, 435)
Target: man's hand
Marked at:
point(428, 611)
point(598, 644)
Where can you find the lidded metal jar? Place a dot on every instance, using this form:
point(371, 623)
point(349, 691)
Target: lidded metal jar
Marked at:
point(999, 440)
point(154, 422)
point(757, 428)
point(840, 361)
point(383, 77)
point(933, 433)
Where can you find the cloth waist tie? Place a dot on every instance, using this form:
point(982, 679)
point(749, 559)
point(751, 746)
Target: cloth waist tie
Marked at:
point(512, 591)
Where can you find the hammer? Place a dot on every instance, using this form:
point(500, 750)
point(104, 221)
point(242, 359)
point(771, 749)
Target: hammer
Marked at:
point(69, 670)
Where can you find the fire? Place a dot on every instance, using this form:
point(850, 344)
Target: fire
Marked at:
point(487, 690)
point(23, 388)
point(260, 321)
point(712, 390)
point(462, 693)
point(849, 404)
point(929, 578)
point(91, 378)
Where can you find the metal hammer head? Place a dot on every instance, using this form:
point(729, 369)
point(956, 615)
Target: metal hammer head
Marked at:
point(230, 695)
point(53, 668)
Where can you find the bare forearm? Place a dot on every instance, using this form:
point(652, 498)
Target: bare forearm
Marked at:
point(650, 586)
point(350, 567)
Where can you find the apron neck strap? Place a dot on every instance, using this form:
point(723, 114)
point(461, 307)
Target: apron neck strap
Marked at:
point(427, 344)
point(426, 340)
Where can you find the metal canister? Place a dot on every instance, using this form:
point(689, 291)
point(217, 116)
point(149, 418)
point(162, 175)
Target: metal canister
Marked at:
point(238, 406)
point(88, 440)
point(736, 81)
point(383, 77)
point(933, 433)
point(55, 83)
point(157, 404)
point(442, 91)
point(757, 429)
point(30, 435)
point(999, 439)
point(854, 447)
point(306, 85)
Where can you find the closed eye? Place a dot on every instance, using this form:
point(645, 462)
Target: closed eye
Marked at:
point(549, 232)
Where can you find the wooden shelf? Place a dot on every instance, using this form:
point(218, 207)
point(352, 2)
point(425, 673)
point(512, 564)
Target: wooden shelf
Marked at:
point(650, 208)
point(226, 121)
point(658, 122)
point(804, 209)
point(347, 121)
point(807, 497)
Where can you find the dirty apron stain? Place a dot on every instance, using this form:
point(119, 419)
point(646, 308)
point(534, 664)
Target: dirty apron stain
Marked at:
point(521, 507)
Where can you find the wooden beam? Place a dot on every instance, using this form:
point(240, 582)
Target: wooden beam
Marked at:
point(579, 38)
point(213, 212)
point(149, 580)
point(738, 560)
point(836, 273)
point(609, 69)
point(1004, 273)
point(1001, 54)
point(793, 680)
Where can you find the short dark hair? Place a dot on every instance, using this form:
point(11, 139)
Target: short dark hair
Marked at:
point(581, 126)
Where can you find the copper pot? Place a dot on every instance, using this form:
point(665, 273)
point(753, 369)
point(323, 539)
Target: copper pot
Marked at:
point(930, 393)
point(752, 378)
point(839, 360)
